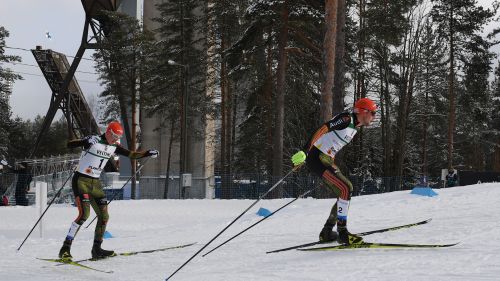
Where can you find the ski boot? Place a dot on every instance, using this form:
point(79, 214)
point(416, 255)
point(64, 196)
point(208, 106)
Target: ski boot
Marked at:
point(347, 238)
point(99, 253)
point(65, 251)
point(327, 235)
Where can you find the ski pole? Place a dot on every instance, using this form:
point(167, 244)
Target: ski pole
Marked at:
point(264, 218)
point(50, 204)
point(116, 192)
point(246, 210)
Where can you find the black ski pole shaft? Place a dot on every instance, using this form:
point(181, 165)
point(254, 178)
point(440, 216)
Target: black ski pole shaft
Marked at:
point(116, 192)
point(46, 209)
point(246, 210)
point(264, 218)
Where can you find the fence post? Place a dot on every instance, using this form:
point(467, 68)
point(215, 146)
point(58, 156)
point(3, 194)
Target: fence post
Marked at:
point(41, 202)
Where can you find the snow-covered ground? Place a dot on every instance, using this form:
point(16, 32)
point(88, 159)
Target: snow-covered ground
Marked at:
point(469, 215)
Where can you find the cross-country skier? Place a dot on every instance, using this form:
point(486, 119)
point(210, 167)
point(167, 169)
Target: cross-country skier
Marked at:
point(87, 187)
point(319, 154)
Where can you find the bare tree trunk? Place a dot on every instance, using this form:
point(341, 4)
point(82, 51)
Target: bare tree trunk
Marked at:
point(234, 108)
point(360, 85)
point(329, 46)
point(124, 104)
point(403, 124)
point(280, 98)
point(496, 158)
point(268, 92)
point(226, 122)
point(382, 103)
point(403, 95)
point(123, 113)
point(387, 118)
point(133, 144)
point(360, 82)
point(479, 157)
point(409, 63)
point(383, 117)
point(425, 118)
point(424, 132)
point(169, 157)
point(451, 94)
point(338, 81)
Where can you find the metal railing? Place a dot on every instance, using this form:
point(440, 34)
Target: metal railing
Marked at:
point(250, 186)
point(235, 186)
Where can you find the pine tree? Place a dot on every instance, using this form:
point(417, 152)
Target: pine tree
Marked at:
point(386, 47)
point(20, 133)
point(495, 121)
point(474, 112)
point(458, 20)
point(257, 53)
point(55, 142)
point(122, 65)
point(180, 68)
point(429, 121)
point(7, 78)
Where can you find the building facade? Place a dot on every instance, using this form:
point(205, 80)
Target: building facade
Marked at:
point(200, 148)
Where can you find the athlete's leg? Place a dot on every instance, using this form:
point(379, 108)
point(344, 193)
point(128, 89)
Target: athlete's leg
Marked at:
point(317, 166)
point(331, 221)
point(343, 187)
point(334, 180)
point(100, 206)
point(339, 183)
point(81, 189)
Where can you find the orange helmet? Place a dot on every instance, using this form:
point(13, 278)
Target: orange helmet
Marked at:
point(366, 104)
point(115, 128)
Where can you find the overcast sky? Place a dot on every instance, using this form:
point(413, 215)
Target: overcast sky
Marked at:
point(28, 21)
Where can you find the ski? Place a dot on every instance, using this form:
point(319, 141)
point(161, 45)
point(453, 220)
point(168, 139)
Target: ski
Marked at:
point(132, 253)
point(367, 245)
point(393, 228)
point(75, 263)
point(155, 250)
point(359, 234)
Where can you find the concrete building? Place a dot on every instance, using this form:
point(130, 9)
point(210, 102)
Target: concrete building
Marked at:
point(200, 150)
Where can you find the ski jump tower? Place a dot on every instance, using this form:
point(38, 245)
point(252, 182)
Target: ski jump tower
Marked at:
point(66, 94)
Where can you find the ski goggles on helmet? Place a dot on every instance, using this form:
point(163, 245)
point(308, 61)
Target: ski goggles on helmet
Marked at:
point(372, 112)
point(114, 135)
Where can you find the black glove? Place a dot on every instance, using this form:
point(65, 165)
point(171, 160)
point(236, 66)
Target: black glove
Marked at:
point(153, 153)
point(89, 141)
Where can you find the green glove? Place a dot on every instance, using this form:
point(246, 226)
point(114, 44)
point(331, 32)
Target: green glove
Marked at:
point(298, 158)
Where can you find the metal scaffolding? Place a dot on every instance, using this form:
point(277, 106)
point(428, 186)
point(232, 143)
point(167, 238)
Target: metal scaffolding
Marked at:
point(55, 67)
point(51, 165)
point(66, 94)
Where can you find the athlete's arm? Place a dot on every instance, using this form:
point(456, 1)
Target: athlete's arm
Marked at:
point(339, 122)
point(86, 142)
point(131, 154)
point(76, 143)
